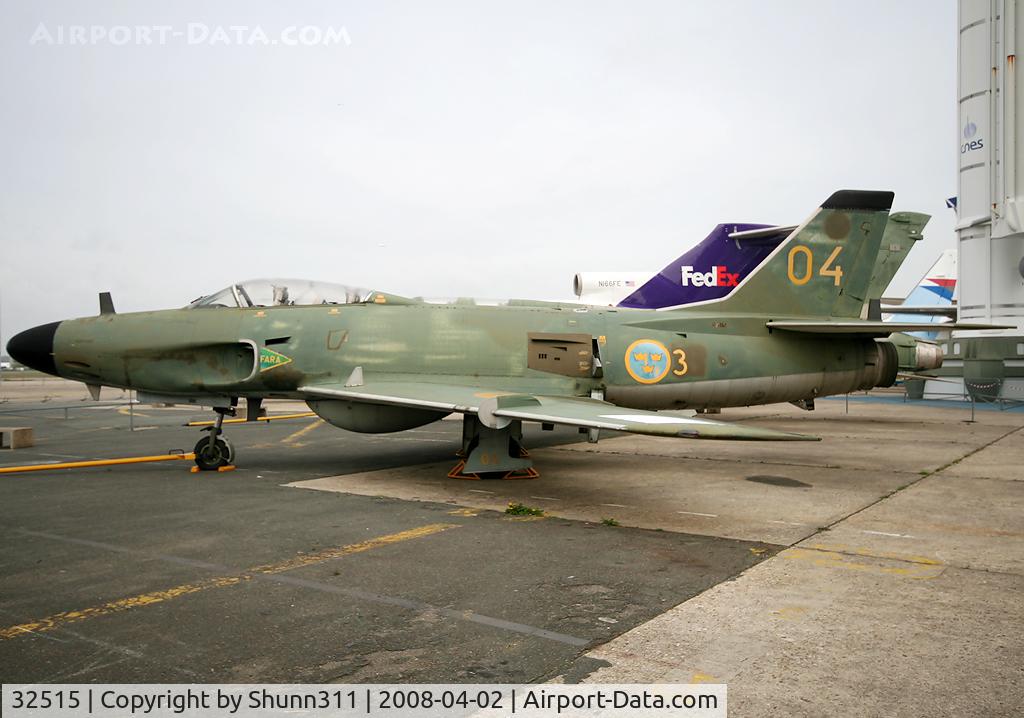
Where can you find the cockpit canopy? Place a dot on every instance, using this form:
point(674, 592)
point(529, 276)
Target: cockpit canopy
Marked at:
point(282, 293)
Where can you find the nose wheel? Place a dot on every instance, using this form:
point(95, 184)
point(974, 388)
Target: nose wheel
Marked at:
point(212, 456)
point(214, 451)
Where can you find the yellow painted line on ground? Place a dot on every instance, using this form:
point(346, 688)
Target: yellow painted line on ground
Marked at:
point(840, 548)
point(834, 559)
point(146, 599)
point(59, 619)
point(327, 554)
point(97, 462)
point(127, 411)
point(791, 613)
point(464, 512)
point(292, 438)
point(275, 417)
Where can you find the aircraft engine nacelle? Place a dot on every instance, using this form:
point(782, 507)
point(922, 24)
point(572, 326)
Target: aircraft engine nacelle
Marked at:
point(372, 418)
point(877, 363)
point(886, 365)
point(607, 287)
point(916, 354)
point(928, 356)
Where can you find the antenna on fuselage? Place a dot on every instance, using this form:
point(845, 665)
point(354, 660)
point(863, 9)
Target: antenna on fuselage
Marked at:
point(106, 303)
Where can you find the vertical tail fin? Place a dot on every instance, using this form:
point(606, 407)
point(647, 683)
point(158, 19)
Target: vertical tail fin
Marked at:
point(710, 270)
point(902, 231)
point(937, 286)
point(935, 289)
point(824, 267)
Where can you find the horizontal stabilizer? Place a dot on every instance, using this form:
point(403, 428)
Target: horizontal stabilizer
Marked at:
point(948, 310)
point(762, 232)
point(571, 411)
point(873, 329)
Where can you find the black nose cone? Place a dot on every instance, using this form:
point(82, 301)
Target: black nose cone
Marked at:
point(34, 348)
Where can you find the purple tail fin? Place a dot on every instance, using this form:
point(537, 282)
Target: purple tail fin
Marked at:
point(711, 270)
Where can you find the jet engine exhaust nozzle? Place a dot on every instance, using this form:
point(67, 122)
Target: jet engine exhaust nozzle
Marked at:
point(929, 356)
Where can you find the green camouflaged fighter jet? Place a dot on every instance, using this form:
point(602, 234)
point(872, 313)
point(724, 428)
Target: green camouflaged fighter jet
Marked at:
point(374, 362)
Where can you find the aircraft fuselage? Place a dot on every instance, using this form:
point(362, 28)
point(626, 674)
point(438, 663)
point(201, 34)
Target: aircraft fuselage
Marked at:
point(665, 361)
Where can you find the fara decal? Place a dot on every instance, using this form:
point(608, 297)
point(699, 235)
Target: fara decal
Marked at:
point(270, 359)
point(647, 361)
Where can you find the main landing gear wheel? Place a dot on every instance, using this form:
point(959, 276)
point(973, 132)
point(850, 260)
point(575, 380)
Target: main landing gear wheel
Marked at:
point(212, 457)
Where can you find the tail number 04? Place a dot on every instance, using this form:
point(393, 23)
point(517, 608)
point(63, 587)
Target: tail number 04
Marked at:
point(800, 272)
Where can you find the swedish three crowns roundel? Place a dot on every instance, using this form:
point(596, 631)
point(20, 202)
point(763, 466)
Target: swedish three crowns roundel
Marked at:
point(647, 361)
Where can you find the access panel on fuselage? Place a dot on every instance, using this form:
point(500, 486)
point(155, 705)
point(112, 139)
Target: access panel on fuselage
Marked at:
point(565, 354)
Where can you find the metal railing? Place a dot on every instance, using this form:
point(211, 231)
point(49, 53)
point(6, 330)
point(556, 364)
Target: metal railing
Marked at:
point(66, 408)
point(1002, 403)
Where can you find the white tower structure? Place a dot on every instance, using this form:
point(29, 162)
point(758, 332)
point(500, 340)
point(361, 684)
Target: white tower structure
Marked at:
point(990, 208)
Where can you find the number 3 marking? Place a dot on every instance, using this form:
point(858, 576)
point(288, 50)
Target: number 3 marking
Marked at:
point(681, 361)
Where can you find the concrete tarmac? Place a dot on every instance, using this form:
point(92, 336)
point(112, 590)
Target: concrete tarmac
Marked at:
point(900, 589)
point(880, 572)
point(150, 573)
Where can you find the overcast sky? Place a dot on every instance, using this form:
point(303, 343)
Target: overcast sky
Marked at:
point(448, 148)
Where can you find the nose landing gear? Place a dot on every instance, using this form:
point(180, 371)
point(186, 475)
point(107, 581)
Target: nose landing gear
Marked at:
point(215, 451)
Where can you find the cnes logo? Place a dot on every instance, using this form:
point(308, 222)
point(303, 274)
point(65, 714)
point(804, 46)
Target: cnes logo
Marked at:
point(970, 144)
point(719, 276)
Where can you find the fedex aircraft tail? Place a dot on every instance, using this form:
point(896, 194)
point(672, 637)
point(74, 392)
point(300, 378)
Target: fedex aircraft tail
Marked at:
point(824, 268)
point(716, 266)
point(710, 270)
